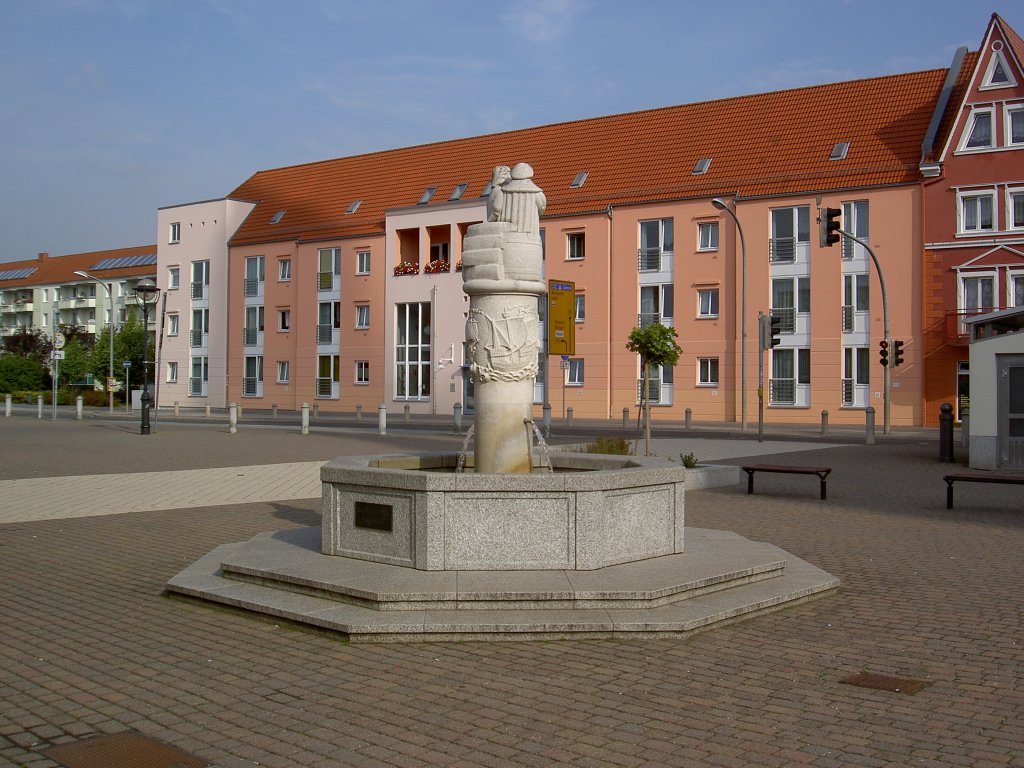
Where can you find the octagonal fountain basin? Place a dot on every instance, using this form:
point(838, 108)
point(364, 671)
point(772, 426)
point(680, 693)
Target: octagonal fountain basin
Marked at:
point(416, 511)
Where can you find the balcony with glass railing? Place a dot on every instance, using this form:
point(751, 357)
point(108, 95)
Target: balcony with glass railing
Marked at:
point(782, 391)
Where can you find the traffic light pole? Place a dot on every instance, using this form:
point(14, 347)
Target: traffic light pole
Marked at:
point(886, 370)
point(761, 343)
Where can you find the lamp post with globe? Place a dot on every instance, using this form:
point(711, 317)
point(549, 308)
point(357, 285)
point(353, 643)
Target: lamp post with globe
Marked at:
point(146, 294)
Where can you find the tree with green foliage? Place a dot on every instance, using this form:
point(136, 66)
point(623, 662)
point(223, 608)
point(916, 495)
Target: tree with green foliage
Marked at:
point(656, 345)
point(29, 342)
point(75, 365)
point(127, 346)
point(19, 374)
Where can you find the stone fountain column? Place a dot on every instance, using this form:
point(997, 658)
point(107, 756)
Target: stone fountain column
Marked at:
point(501, 270)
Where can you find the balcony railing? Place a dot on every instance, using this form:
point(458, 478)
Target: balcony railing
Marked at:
point(324, 281)
point(653, 390)
point(787, 317)
point(196, 338)
point(249, 336)
point(848, 325)
point(847, 391)
point(250, 386)
point(324, 334)
point(196, 387)
point(957, 331)
point(648, 318)
point(782, 391)
point(198, 290)
point(649, 259)
point(251, 287)
point(324, 386)
point(848, 244)
point(782, 250)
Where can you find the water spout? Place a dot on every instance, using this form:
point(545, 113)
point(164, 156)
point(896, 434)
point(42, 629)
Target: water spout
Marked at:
point(545, 454)
point(460, 466)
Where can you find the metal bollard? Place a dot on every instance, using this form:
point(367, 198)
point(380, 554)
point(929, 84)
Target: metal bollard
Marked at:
point(39, 406)
point(945, 432)
point(824, 422)
point(359, 411)
point(78, 408)
point(689, 417)
point(207, 410)
point(869, 425)
point(273, 410)
point(233, 418)
point(568, 416)
point(382, 419)
point(7, 405)
point(457, 415)
point(965, 427)
point(625, 418)
point(177, 409)
point(305, 418)
point(238, 411)
point(406, 414)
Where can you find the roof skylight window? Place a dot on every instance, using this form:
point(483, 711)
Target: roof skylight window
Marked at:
point(459, 191)
point(353, 207)
point(487, 189)
point(839, 151)
point(701, 167)
point(427, 194)
point(276, 218)
point(579, 180)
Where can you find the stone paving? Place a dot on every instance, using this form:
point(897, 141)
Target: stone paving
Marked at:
point(89, 644)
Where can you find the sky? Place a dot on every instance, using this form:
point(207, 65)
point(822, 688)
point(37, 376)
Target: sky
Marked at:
point(111, 109)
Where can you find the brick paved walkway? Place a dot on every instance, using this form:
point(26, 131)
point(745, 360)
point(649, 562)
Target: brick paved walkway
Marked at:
point(89, 644)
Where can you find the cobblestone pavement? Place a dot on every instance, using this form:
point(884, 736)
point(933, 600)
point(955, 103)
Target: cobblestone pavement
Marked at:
point(89, 644)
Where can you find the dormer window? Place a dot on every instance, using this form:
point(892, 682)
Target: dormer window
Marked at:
point(999, 74)
point(979, 130)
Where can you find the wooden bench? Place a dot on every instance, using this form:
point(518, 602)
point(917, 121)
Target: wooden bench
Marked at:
point(978, 478)
point(821, 472)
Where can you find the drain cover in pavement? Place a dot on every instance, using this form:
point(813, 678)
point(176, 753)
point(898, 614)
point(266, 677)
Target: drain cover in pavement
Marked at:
point(885, 682)
point(122, 750)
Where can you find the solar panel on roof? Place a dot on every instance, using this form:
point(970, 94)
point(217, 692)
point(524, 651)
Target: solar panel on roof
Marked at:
point(120, 262)
point(17, 274)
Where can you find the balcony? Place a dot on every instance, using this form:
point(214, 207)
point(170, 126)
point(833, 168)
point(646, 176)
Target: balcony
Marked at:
point(250, 387)
point(250, 336)
point(957, 331)
point(648, 318)
point(782, 250)
point(324, 387)
point(649, 259)
point(782, 391)
point(787, 315)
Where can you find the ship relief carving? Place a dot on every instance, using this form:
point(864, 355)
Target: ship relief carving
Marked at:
point(503, 348)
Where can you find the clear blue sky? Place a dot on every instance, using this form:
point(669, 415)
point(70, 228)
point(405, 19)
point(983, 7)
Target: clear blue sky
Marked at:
point(113, 108)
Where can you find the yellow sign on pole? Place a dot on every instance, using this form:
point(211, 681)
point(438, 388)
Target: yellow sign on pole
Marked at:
point(561, 317)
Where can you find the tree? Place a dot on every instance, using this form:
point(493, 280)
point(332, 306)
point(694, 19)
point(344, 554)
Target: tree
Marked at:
point(127, 346)
point(656, 345)
point(21, 374)
point(31, 343)
point(75, 364)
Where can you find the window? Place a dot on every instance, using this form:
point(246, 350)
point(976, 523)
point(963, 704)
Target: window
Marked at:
point(707, 302)
point(707, 371)
point(1014, 125)
point(284, 270)
point(328, 265)
point(707, 236)
point(362, 262)
point(200, 376)
point(574, 375)
point(172, 373)
point(284, 319)
point(283, 371)
point(173, 325)
point(200, 279)
point(656, 303)
point(253, 376)
point(979, 132)
point(999, 75)
point(657, 238)
point(791, 227)
point(581, 308)
point(1017, 290)
point(174, 232)
point(362, 371)
point(173, 278)
point(855, 221)
point(254, 275)
point(46, 294)
point(976, 212)
point(363, 316)
point(327, 370)
point(575, 244)
point(439, 252)
point(978, 292)
point(412, 350)
point(1015, 208)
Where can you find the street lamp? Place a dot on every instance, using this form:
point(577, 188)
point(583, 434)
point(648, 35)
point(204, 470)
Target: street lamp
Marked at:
point(110, 301)
point(145, 294)
point(721, 205)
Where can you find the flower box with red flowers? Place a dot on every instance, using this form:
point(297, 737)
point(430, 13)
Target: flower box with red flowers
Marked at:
point(407, 268)
point(438, 265)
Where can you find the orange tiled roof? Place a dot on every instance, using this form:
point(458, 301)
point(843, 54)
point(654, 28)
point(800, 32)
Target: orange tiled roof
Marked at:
point(1015, 41)
point(61, 269)
point(761, 145)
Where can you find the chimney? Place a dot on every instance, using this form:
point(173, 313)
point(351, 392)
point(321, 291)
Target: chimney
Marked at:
point(43, 256)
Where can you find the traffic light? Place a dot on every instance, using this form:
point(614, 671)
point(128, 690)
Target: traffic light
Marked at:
point(897, 352)
point(774, 329)
point(828, 226)
point(883, 352)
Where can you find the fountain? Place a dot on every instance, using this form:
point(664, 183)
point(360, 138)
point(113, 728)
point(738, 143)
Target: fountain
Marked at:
point(482, 544)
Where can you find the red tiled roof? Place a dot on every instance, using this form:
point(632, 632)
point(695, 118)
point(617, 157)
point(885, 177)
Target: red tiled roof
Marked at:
point(1012, 38)
point(765, 144)
point(61, 269)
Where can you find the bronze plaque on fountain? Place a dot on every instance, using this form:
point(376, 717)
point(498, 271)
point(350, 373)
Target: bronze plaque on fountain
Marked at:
point(377, 517)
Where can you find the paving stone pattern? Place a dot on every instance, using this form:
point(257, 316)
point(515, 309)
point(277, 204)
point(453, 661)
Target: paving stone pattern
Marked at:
point(90, 645)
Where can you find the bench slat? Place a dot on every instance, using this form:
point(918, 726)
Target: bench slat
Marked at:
point(821, 472)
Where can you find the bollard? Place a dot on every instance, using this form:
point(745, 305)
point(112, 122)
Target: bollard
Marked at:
point(382, 419)
point(233, 418)
point(869, 425)
point(546, 420)
point(945, 432)
point(177, 409)
point(207, 410)
point(7, 405)
point(406, 414)
point(965, 428)
point(689, 417)
point(457, 415)
point(625, 418)
point(359, 411)
point(824, 422)
point(238, 412)
point(305, 418)
point(273, 410)
point(568, 416)
point(39, 406)
point(316, 410)
point(78, 408)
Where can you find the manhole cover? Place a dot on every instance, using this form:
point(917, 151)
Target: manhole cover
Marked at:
point(122, 750)
point(885, 682)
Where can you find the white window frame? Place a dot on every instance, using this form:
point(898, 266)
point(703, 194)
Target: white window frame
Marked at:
point(174, 233)
point(362, 316)
point(961, 202)
point(173, 324)
point(1011, 193)
point(1014, 278)
point(284, 320)
point(580, 308)
point(283, 372)
point(172, 372)
point(710, 242)
point(575, 246)
point(575, 374)
point(972, 122)
point(1008, 114)
point(708, 309)
point(362, 262)
point(707, 371)
point(997, 58)
point(362, 373)
point(284, 270)
point(173, 278)
point(961, 297)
